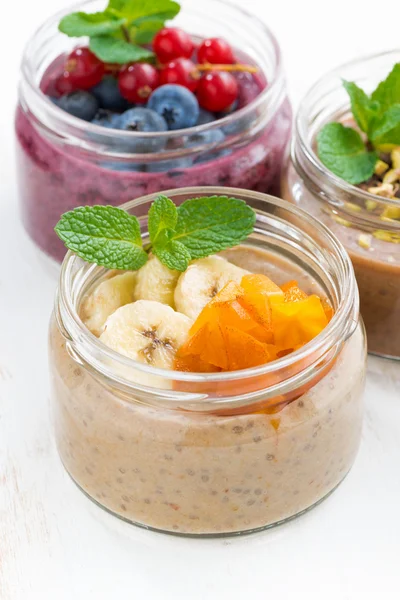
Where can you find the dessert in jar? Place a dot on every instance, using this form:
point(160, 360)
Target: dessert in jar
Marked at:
point(221, 396)
point(345, 170)
point(187, 101)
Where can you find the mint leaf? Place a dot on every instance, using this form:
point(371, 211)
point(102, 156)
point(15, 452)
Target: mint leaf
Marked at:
point(386, 129)
point(174, 255)
point(342, 150)
point(82, 24)
point(210, 224)
point(144, 32)
point(134, 9)
point(364, 110)
point(112, 50)
point(388, 91)
point(163, 215)
point(104, 235)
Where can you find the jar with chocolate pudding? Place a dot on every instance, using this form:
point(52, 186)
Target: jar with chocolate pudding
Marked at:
point(367, 224)
point(212, 453)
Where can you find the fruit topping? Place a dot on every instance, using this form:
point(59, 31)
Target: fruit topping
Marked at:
point(108, 95)
point(252, 323)
point(143, 120)
point(176, 104)
point(84, 68)
point(217, 90)
point(181, 71)
point(171, 43)
point(215, 51)
point(80, 104)
point(136, 82)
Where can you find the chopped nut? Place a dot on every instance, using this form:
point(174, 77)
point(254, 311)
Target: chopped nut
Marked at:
point(386, 190)
point(364, 240)
point(395, 156)
point(387, 236)
point(370, 205)
point(352, 206)
point(391, 212)
point(381, 167)
point(341, 221)
point(391, 176)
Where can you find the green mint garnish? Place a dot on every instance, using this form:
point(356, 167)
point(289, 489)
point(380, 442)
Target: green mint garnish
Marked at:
point(116, 34)
point(110, 237)
point(343, 150)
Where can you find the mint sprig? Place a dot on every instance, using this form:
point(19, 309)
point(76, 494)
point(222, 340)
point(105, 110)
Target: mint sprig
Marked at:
point(343, 150)
point(117, 33)
point(110, 237)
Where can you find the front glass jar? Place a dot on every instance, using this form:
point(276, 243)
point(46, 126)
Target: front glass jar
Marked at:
point(64, 162)
point(215, 453)
point(367, 225)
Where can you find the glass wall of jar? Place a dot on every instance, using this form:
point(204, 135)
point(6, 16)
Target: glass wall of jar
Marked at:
point(367, 225)
point(215, 453)
point(64, 162)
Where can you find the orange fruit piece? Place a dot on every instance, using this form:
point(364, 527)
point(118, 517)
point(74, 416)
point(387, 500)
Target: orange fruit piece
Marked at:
point(192, 363)
point(327, 308)
point(244, 351)
point(261, 284)
point(292, 292)
point(296, 323)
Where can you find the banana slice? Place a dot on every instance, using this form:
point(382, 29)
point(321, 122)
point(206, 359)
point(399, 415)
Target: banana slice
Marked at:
point(201, 281)
point(156, 282)
point(147, 331)
point(106, 298)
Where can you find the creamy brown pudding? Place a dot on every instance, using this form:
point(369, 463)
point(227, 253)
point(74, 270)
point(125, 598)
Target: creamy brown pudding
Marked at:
point(191, 472)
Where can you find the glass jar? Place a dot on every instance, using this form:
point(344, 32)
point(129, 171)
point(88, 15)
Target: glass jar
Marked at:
point(64, 162)
point(367, 225)
point(215, 453)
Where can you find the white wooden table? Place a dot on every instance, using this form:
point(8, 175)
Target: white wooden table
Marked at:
point(54, 543)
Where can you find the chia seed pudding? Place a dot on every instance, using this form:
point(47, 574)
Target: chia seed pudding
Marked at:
point(163, 464)
point(64, 162)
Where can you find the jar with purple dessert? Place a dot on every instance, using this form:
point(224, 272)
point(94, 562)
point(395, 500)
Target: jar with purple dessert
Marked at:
point(132, 107)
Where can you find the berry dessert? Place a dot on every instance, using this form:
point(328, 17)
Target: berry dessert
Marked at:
point(232, 412)
point(209, 114)
point(358, 177)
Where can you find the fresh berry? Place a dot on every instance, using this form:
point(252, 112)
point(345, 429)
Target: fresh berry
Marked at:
point(176, 104)
point(181, 71)
point(171, 43)
point(80, 104)
point(213, 138)
point(63, 84)
point(232, 108)
point(108, 95)
point(136, 82)
point(216, 52)
point(143, 120)
point(205, 116)
point(84, 68)
point(106, 118)
point(217, 90)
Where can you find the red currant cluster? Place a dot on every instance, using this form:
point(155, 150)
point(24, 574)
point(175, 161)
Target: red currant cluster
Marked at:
point(209, 77)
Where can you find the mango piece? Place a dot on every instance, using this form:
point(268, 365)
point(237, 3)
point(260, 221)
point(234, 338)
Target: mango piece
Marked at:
point(261, 284)
point(296, 323)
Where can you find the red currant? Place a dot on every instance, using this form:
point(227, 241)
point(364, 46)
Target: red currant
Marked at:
point(216, 52)
point(63, 84)
point(181, 71)
point(217, 90)
point(84, 68)
point(170, 43)
point(137, 81)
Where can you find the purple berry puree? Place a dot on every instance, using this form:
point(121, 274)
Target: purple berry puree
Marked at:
point(54, 178)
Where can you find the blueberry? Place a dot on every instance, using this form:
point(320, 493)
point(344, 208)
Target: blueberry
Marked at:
point(169, 165)
point(54, 100)
point(109, 96)
point(214, 136)
point(79, 104)
point(205, 116)
point(106, 118)
point(238, 126)
point(176, 104)
point(122, 166)
point(142, 120)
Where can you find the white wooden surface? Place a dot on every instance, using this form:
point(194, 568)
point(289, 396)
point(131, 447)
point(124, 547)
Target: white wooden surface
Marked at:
point(54, 543)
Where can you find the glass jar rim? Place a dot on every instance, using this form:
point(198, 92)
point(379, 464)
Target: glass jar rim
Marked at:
point(302, 146)
point(80, 128)
point(341, 326)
